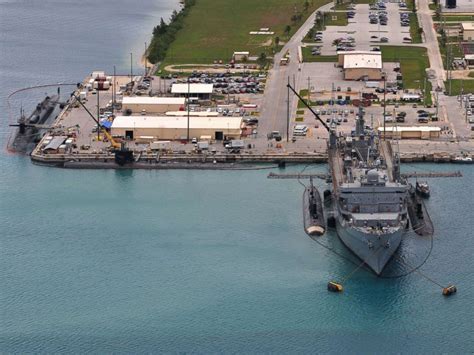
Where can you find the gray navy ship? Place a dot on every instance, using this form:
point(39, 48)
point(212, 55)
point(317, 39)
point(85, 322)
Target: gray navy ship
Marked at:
point(370, 198)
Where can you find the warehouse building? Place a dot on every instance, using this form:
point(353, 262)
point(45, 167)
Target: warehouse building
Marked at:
point(175, 127)
point(467, 29)
point(366, 66)
point(195, 91)
point(139, 104)
point(412, 132)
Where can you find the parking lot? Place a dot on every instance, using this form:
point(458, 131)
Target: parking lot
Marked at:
point(225, 83)
point(366, 34)
point(326, 83)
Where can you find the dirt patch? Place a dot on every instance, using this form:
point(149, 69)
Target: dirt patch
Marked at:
point(461, 74)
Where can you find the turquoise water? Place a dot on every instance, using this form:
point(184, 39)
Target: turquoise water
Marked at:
point(204, 261)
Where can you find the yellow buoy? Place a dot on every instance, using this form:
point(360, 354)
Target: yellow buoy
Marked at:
point(448, 291)
point(334, 287)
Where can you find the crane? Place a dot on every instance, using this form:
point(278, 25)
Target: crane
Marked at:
point(112, 141)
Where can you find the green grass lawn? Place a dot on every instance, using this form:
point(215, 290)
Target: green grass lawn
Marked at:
point(330, 19)
point(345, 6)
point(336, 19)
point(413, 63)
point(456, 51)
point(309, 58)
point(457, 84)
point(458, 18)
point(414, 29)
point(213, 30)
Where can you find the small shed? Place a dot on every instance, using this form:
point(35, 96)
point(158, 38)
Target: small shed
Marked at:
point(54, 144)
point(467, 29)
point(240, 56)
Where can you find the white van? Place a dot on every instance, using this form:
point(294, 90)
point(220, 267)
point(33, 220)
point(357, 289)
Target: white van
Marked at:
point(300, 130)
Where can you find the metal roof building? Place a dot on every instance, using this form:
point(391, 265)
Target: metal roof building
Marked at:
point(410, 132)
point(342, 54)
point(201, 91)
point(175, 127)
point(138, 104)
point(55, 143)
point(366, 66)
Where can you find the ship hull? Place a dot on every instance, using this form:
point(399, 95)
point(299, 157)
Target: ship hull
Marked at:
point(382, 246)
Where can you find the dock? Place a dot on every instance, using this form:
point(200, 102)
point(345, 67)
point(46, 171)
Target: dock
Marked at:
point(415, 174)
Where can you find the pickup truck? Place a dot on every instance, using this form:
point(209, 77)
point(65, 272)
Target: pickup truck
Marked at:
point(274, 135)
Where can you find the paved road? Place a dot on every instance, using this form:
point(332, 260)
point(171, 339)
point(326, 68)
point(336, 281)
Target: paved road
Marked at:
point(431, 43)
point(274, 106)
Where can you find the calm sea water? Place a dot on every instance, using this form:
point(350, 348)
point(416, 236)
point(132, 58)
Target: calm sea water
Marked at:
point(192, 261)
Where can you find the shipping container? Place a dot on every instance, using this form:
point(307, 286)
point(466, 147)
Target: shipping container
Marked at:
point(96, 74)
point(159, 145)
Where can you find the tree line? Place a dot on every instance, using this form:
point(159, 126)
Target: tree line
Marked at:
point(164, 34)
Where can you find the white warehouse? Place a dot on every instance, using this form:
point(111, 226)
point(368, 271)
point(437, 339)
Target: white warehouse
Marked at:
point(196, 91)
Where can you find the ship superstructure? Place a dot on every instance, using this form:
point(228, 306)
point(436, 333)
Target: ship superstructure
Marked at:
point(370, 198)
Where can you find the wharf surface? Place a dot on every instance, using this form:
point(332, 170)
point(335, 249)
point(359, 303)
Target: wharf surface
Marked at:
point(199, 161)
point(305, 150)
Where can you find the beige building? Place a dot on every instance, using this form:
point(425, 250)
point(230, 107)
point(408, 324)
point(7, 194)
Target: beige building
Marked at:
point(467, 29)
point(367, 66)
point(412, 132)
point(175, 127)
point(342, 54)
point(153, 105)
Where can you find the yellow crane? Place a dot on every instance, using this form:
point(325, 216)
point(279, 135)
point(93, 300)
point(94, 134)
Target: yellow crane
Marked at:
point(106, 133)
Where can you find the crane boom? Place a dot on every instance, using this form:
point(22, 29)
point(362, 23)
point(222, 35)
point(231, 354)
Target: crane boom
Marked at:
point(106, 133)
point(309, 107)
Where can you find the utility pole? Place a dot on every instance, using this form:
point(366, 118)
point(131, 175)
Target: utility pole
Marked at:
point(131, 66)
point(465, 110)
point(288, 112)
point(98, 113)
point(114, 90)
point(146, 66)
point(384, 102)
point(449, 65)
point(187, 135)
point(424, 91)
point(309, 86)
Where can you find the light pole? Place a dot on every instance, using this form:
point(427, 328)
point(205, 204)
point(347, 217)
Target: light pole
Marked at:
point(131, 66)
point(114, 90)
point(384, 77)
point(424, 92)
point(146, 66)
point(288, 112)
point(187, 135)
